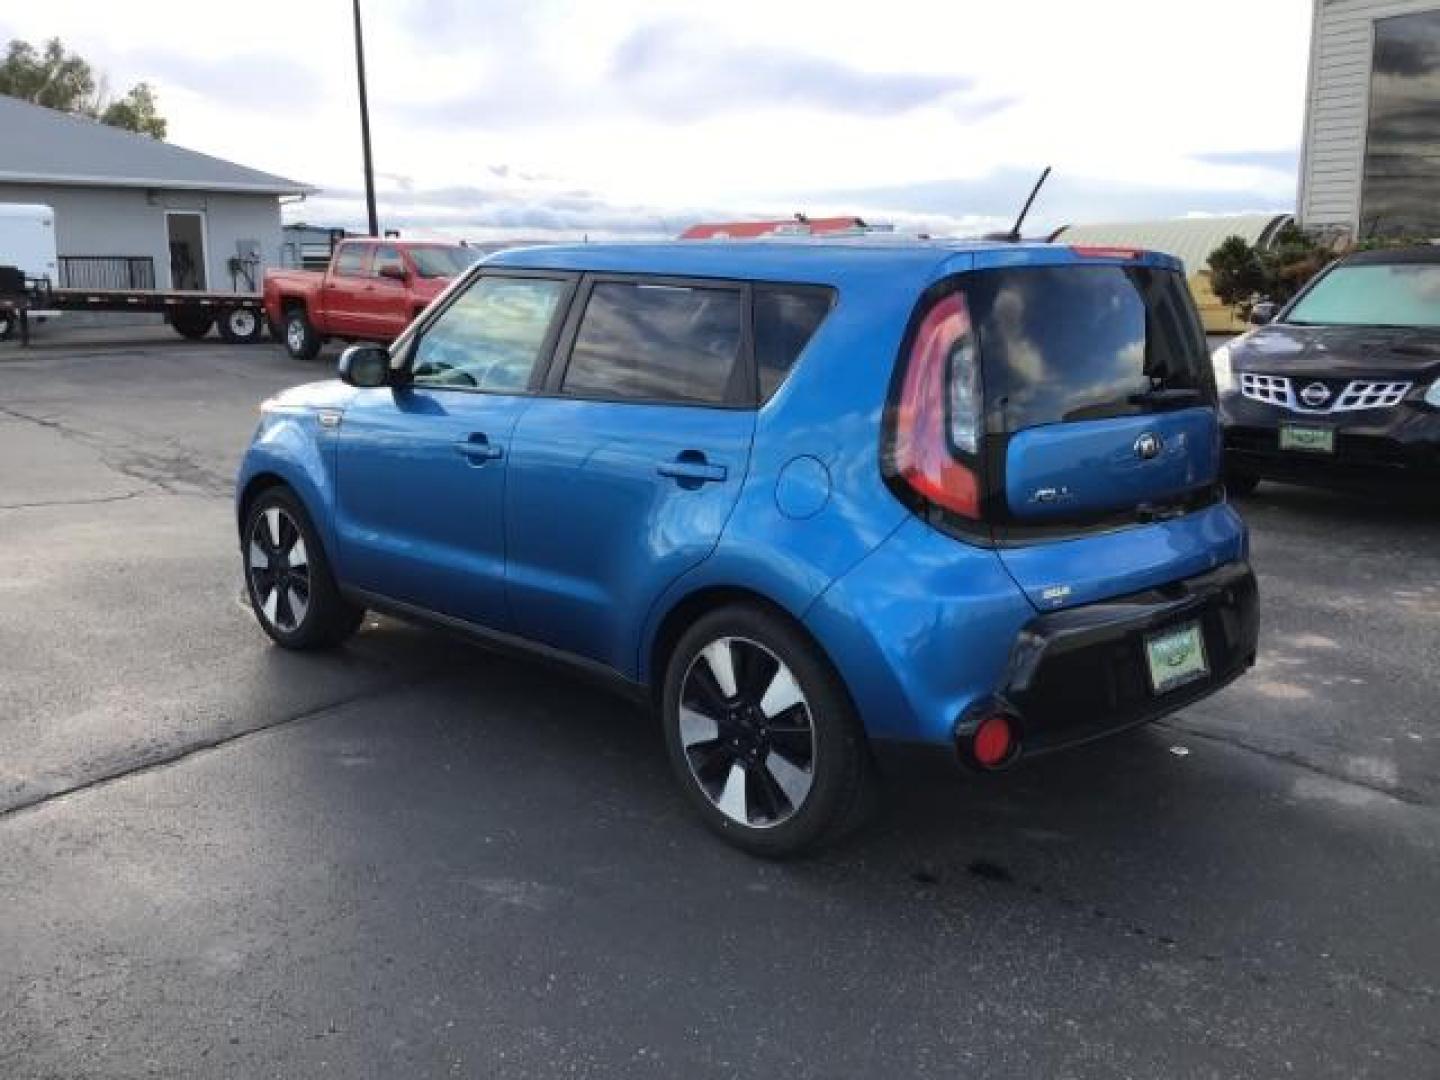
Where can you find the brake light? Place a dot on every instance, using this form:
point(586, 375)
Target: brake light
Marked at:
point(941, 377)
point(1107, 252)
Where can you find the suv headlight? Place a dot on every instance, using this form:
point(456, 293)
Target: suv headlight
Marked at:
point(1432, 396)
point(1220, 364)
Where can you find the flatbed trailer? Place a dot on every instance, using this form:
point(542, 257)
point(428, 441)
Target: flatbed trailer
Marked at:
point(240, 317)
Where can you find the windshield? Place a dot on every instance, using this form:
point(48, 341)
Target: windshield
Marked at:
point(1063, 343)
point(1398, 294)
point(442, 262)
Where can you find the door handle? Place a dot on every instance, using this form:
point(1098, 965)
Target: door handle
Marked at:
point(691, 469)
point(478, 449)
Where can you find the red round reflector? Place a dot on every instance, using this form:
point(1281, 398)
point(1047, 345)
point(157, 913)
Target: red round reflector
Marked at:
point(992, 742)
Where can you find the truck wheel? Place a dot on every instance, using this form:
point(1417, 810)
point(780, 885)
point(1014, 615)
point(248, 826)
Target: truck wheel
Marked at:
point(301, 340)
point(192, 323)
point(241, 326)
point(7, 325)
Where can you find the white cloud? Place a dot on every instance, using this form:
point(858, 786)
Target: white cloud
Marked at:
point(935, 115)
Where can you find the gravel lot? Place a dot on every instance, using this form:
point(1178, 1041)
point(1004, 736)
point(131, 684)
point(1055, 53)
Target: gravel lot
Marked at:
point(413, 857)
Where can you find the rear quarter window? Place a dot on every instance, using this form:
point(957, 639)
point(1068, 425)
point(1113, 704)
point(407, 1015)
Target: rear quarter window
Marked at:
point(786, 318)
point(657, 342)
point(352, 260)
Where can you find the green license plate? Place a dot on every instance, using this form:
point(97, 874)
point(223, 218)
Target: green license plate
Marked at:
point(1316, 440)
point(1176, 657)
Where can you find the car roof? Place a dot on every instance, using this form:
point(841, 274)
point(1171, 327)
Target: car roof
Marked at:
point(1421, 253)
point(819, 260)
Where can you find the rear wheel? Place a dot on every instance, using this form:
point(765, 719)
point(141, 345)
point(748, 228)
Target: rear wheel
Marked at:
point(761, 733)
point(288, 579)
point(191, 323)
point(301, 340)
point(241, 326)
point(7, 324)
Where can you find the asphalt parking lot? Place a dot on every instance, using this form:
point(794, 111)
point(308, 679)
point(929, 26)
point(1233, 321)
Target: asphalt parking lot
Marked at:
point(416, 858)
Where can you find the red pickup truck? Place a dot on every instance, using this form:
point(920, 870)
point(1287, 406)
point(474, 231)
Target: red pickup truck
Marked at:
point(370, 292)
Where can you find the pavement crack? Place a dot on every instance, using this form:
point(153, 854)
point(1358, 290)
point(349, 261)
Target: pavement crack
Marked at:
point(1397, 792)
point(73, 502)
point(205, 746)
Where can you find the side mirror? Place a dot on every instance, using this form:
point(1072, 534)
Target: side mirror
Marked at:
point(1263, 313)
point(364, 366)
point(394, 273)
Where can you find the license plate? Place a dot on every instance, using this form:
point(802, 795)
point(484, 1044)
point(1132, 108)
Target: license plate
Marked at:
point(1315, 440)
point(1176, 657)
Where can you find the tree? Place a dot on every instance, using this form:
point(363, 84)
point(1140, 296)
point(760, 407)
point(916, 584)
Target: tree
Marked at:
point(1236, 273)
point(65, 81)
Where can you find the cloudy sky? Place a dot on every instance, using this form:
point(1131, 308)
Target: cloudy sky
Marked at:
point(494, 118)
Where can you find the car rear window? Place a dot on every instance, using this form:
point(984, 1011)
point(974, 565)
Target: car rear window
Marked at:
point(786, 318)
point(656, 342)
point(1067, 343)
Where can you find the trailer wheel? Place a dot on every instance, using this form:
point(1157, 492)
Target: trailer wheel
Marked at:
point(301, 340)
point(192, 323)
point(241, 326)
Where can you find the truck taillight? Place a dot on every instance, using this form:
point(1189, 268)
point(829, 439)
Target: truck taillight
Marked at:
point(937, 417)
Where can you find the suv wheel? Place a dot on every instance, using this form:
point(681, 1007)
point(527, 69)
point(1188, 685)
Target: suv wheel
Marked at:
point(288, 578)
point(761, 733)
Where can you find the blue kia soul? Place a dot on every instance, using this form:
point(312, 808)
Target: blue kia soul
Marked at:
point(812, 499)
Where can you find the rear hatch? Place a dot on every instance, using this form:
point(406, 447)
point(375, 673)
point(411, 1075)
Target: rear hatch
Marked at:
point(1060, 407)
point(1099, 414)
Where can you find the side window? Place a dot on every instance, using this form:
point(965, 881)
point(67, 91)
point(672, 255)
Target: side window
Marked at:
point(786, 317)
point(490, 336)
point(387, 256)
point(353, 260)
point(657, 343)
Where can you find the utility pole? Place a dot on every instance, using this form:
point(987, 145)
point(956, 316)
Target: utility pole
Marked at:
point(365, 125)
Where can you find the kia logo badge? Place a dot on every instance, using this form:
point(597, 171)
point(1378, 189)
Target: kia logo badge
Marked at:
point(1148, 446)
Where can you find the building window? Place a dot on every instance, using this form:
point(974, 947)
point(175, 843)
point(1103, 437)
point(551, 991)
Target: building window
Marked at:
point(1402, 150)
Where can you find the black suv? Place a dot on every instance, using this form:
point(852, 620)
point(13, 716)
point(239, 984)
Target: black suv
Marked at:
point(1343, 387)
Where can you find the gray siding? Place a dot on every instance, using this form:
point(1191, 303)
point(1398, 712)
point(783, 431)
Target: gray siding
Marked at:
point(131, 222)
point(1338, 106)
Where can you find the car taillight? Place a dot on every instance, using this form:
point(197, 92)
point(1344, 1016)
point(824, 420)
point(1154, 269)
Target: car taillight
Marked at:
point(938, 413)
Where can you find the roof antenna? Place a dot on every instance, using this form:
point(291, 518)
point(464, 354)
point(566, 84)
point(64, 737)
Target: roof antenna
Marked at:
point(1013, 236)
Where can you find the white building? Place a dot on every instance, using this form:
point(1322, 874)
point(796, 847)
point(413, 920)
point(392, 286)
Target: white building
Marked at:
point(1370, 160)
point(132, 212)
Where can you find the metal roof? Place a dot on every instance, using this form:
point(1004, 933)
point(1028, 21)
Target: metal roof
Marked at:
point(43, 146)
point(1191, 240)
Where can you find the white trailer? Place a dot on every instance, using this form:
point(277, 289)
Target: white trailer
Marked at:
point(27, 242)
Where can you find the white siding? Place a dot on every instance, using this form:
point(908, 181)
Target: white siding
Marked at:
point(1333, 152)
point(131, 221)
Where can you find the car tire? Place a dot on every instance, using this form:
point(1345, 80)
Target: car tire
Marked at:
point(1241, 483)
point(301, 340)
point(241, 325)
point(288, 580)
point(191, 323)
point(771, 752)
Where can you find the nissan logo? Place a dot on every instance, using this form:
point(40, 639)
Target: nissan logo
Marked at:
point(1315, 395)
point(1148, 446)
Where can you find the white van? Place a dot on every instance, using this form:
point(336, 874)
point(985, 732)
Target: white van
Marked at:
point(27, 240)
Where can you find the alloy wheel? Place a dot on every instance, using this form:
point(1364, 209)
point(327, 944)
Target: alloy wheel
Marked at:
point(279, 569)
point(295, 335)
point(747, 733)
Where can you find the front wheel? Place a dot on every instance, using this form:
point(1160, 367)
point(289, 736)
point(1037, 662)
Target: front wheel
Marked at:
point(301, 340)
point(762, 734)
point(288, 579)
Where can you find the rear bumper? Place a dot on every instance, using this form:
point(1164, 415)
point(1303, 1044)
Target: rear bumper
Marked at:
point(1081, 673)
